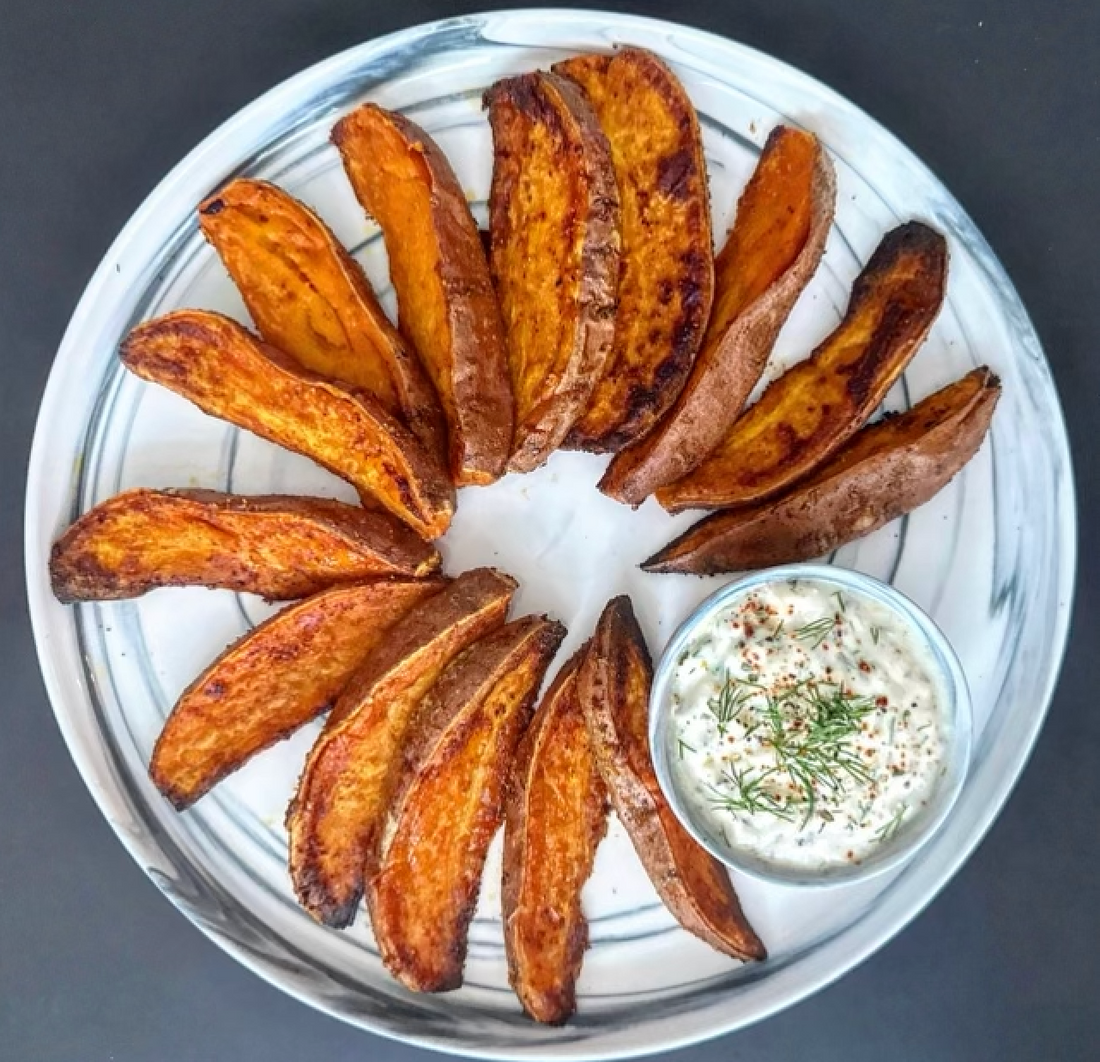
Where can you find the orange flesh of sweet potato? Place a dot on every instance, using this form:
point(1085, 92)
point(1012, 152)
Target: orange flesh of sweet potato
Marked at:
point(667, 274)
point(884, 471)
point(554, 225)
point(445, 298)
point(224, 370)
point(613, 687)
point(555, 818)
point(278, 546)
point(773, 250)
point(778, 210)
point(813, 409)
point(424, 894)
point(310, 299)
point(335, 820)
point(275, 679)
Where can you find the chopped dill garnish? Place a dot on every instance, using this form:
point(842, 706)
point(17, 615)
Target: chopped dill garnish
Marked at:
point(861, 812)
point(840, 601)
point(874, 634)
point(724, 706)
point(734, 694)
point(808, 728)
point(743, 791)
point(890, 830)
point(816, 632)
point(681, 744)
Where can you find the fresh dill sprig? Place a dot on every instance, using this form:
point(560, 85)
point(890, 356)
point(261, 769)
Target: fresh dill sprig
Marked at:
point(732, 696)
point(809, 728)
point(744, 791)
point(724, 707)
point(890, 830)
point(861, 812)
point(681, 745)
point(816, 632)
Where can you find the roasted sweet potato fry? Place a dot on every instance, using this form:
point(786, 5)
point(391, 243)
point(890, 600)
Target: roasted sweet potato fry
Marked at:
point(772, 251)
point(667, 272)
point(883, 472)
point(309, 298)
point(275, 679)
point(227, 372)
point(555, 818)
point(613, 688)
point(335, 820)
point(278, 546)
point(554, 225)
point(445, 297)
point(449, 803)
point(812, 410)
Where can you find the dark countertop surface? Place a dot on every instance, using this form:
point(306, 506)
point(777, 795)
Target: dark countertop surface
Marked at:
point(98, 100)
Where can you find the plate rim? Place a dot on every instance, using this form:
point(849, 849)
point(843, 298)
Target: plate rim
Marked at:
point(143, 846)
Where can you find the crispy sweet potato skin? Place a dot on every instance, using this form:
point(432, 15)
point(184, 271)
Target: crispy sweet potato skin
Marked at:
point(555, 818)
point(336, 817)
point(772, 251)
point(310, 299)
point(224, 370)
point(554, 225)
point(885, 471)
point(450, 802)
point(666, 281)
point(445, 298)
point(275, 679)
point(812, 410)
point(613, 688)
point(278, 546)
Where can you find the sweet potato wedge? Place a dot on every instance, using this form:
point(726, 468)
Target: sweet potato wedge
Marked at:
point(227, 372)
point(275, 679)
point(310, 299)
point(336, 817)
point(772, 251)
point(613, 688)
point(445, 299)
point(666, 281)
point(555, 818)
point(450, 802)
point(813, 409)
point(884, 471)
point(278, 546)
point(554, 235)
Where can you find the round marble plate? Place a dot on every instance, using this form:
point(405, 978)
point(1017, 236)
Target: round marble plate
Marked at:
point(991, 558)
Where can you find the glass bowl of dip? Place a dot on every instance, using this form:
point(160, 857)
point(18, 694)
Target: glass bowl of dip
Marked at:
point(810, 725)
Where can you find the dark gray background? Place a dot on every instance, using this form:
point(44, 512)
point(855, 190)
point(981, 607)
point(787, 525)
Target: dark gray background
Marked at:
point(99, 99)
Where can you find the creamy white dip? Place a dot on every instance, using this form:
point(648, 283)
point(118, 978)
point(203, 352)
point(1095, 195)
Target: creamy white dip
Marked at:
point(808, 724)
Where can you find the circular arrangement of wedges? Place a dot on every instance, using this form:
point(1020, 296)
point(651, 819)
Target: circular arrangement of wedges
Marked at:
point(594, 316)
